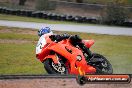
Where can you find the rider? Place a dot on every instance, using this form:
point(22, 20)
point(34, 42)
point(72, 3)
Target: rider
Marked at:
point(46, 31)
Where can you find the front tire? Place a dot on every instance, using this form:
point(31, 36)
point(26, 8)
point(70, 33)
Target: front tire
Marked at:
point(53, 68)
point(101, 64)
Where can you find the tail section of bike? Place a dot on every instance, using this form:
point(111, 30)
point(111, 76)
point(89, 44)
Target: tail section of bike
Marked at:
point(88, 43)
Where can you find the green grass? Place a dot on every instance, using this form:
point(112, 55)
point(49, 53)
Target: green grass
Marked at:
point(17, 58)
point(30, 19)
point(130, 2)
point(97, 1)
point(20, 58)
point(17, 36)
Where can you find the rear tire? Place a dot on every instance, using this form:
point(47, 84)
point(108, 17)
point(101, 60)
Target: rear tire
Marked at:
point(103, 66)
point(50, 67)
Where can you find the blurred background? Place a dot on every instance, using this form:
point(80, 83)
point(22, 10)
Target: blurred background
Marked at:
point(106, 11)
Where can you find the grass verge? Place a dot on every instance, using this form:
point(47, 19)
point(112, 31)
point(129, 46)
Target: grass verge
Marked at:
point(19, 58)
point(38, 20)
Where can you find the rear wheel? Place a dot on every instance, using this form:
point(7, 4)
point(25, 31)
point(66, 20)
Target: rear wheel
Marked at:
point(53, 68)
point(101, 64)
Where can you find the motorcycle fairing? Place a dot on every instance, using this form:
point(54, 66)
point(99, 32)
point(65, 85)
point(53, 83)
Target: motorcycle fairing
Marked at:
point(59, 48)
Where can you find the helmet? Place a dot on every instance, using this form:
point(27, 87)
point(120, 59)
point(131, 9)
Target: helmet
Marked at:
point(43, 31)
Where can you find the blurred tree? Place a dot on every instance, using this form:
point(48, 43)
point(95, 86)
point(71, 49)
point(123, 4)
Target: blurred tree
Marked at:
point(79, 1)
point(115, 13)
point(22, 2)
point(122, 2)
point(45, 5)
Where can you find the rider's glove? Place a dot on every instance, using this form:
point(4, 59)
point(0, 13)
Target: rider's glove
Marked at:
point(52, 37)
point(75, 38)
point(59, 37)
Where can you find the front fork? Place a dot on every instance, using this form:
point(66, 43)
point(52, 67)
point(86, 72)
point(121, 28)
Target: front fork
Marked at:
point(86, 50)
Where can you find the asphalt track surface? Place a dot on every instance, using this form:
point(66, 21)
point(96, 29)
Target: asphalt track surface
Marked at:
point(50, 81)
point(98, 29)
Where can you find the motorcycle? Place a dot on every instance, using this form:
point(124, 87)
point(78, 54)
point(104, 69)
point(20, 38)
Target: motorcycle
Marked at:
point(65, 58)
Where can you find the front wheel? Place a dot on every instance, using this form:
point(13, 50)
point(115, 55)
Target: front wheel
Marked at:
point(101, 64)
point(53, 68)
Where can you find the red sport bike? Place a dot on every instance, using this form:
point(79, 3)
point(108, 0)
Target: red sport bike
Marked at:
point(65, 58)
